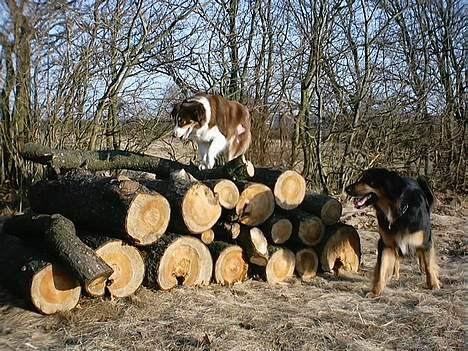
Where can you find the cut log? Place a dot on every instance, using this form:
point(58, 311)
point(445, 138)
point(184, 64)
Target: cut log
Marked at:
point(236, 169)
point(226, 231)
point(255, 245)
point(309, 228)
point(327, 208)
point(225, 190)
point(104, 205)
point(37, 279)
point(340, 249)
point(194, 206)
point(289, 187)
point(60, 240)
point(230, 266)
point(277, 229)
point(280, 266)
point(256, 204)
point(176, 259)
point(125, 260)
point(207, 237)
point(306, 263)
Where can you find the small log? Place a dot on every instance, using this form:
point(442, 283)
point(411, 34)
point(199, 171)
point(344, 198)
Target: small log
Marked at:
point(104, 205)
point(178, 260)
point(59, 238)
point(277, 228)
point(207, 237)
point(236, 169)
point(226, 231)
point(327, 208)
point(230, 266)
point(125, 260)
point(33, 276)
point(226, 192)
point(255, 245)
point(340, 249)
point(280, 266)
point(306, 263)
point(256, 204)
point(289, 187)
point(194, 207)
point(309, 228)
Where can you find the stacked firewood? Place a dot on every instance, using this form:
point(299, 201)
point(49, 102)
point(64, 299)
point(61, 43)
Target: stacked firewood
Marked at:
point(107, 235)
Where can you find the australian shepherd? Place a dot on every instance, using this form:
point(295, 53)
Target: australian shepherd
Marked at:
point(216, 124)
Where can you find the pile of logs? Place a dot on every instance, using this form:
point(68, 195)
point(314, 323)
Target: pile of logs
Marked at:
point(108, 235)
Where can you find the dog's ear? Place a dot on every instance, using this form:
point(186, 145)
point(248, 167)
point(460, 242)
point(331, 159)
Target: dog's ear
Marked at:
point(199, 112)
point(394, 185)
point(175, 110)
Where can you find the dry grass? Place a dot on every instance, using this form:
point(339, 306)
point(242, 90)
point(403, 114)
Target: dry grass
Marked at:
point(328, 313)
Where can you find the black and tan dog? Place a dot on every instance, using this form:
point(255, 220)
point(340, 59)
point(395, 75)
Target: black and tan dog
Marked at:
point(403, 207)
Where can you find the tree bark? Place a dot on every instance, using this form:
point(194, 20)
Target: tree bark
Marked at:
point(289, 187)
point(59, 239)
point(123, 207)
point(226, 231)
point(36, 278)
point(178, 260)
point(126, 261)
point(254, 244)
point(230, 266)
point(327, 208)
point(236, 169)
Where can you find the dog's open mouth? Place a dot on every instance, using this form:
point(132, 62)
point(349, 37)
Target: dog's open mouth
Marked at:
point(367, 200)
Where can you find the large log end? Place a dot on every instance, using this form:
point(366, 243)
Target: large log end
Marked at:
point(256, 204)
point(200, 208)
point(280, 266)
point(289, 190)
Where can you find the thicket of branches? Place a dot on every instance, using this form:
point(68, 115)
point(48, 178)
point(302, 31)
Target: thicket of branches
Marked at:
point(333, 86)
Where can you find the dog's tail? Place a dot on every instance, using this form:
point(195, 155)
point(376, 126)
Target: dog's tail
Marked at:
point(426, 188)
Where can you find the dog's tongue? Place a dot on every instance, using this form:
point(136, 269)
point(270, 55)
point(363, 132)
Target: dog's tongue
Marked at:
point(360, 202)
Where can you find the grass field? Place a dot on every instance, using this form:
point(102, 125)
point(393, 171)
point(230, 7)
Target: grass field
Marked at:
point(328, 313)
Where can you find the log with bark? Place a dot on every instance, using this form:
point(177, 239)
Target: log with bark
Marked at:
point(58, 237)
point(280, 266)
point(125, 260)
point(306, 263)
point(105, 205)
point(255, 245)
point(207, 237)
point(177, 259)
point(236, 169)
point(230, 266)
point(340, 249)
point(36, 278)
point(277, 229)
point(225, 191)
point(194, 207)
point(256, 204)
point(327, 208)
point(308, 228)
point(289, 187)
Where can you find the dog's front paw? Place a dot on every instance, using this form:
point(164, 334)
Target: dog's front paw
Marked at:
point(372, 295)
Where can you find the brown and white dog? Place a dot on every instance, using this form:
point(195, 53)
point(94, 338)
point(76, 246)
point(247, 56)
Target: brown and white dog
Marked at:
point(216, 124)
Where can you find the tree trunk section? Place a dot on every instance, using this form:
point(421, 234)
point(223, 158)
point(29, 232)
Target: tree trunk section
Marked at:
point(125, 260)
point(104, 205)
point(280, 266)
point(288, 187)
point(207, 237)
point(277, 229)
point(226, 192)
point(230, 266)
point(256, 204)
point(60, 240)
point(255, 245)
point(307, 263)
point(308, 228)
point(194, 207)
point(236, 169)
point(178, 260)
point(33, 276)
point(340, 249)
point(327, 208)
